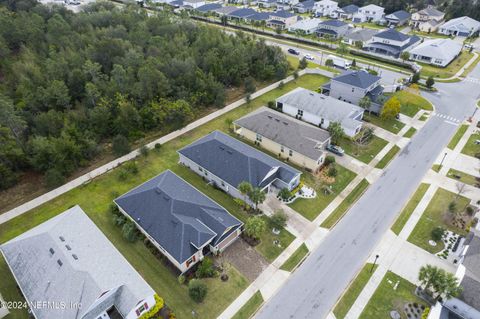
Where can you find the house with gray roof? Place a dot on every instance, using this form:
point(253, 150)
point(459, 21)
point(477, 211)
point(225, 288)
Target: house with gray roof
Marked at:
point(304, 7)
point(209, 7)
point(390, 42)
point(321, 110)
point(333, 29)
point(292, 139)
point(183, 223)
point(324, 8)
point(462, 26)
point(305, 26)
point(282, 19)
point(362, 36)
point(267, 3)
point(226, 10)
point(369, 13)
point(438, 52)
point(241, 14)
point(428, 19)
point(226, 162)
point(68, 261)
point(345, 13)
point(398, 18)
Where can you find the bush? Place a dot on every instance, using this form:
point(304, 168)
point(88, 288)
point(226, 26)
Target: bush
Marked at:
point(197, 290)
point(7, 177)
point(131, 167)
point(113, 208)
point(329, 160)
point(372, 72)
point(281, 85)
point(129, 231)
point(332, 171)
point(181, 279)
point(271, 104)
point(278, 219)
point(205, 269)
point(159, 303)
point(144, 151)
point(119, 220)
point(437, 233)
point(158, 146)
point(284, 194)
point(120, 145)
point(54, 178)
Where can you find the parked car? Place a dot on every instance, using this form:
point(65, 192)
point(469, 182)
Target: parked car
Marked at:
point(335, 149)
point(293, 51)
point(309, 57)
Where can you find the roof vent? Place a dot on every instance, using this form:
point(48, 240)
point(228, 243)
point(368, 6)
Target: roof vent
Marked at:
point(166, 198)
point(68, 247)
point(138, 219)
point(62, 238)
point(59, 262)
point(222, 148)
point(75, 256)
point(311, 94)
point(285, 123)
point(51, 251)
point(269, 116)
point(230, 152)
point(158, 190)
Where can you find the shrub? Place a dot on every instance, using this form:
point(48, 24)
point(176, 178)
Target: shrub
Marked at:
point(144, 151)
point(284, 194)
point(452, 207)
point(332, 171)
point(159, 303)
point(271, 104)
point(197, 290)
point(54, 178)
point(437, 233)
point(158, 146)
point(278, 219)
point(129, 231)
point(119, 220)
point(181, 279)
point(329, 160)
point(425, 313)
point(281, 85)
point(113, 208)
point(131, 167)
point(205, 269)
point(122, 175)
point(120, 145)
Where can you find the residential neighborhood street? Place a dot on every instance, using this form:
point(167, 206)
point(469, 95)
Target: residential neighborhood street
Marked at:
point(314, 288)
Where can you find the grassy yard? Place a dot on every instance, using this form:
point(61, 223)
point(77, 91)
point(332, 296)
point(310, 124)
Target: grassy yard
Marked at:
point(411, 131)
point(433, 217)
point(250, 307)
point(267, 248)
point(391, 125)
point(311, 208)
point(386, 298)
point(364, 153)
point(450, 70)
point(388, 157)
point(471, 67)
point(423, 118)
point(295, 258)
point(409, 208)
point(96, 196)
point(436, 167)
point(341, 210)
point(412, 103)
point(464, 177)
point(353, 291)
point(471, 148)
point(458, 135)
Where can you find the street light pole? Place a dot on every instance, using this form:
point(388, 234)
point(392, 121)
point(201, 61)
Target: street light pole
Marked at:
point(374, 262)
point(444, 155)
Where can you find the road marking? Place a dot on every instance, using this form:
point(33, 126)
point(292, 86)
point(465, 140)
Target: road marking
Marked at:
point(452, 123)
point(447, 118)
point(472, 80)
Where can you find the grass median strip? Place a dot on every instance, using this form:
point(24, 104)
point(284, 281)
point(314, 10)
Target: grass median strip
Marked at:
point(353, 291)
point(463, 177)
point(351, 198)
point(458, 135)
point(471, 148)
point(295, 258)
point(391, 125)
point(409, 208)
point(411, 131)
point(250, 307)
point(388, 157)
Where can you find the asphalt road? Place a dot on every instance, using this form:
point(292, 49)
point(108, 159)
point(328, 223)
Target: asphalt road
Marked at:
point(313, 289)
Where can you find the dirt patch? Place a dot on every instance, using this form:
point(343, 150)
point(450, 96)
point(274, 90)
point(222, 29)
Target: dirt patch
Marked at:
point(323, 175)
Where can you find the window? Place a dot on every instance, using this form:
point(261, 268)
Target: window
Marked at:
point(353, 89)
point(290, 153)
point(223, 183)
point(259, 138)
point(200, 169)
point(206, 173)
point(52, 251)
point(282, 149)
point(300, 112)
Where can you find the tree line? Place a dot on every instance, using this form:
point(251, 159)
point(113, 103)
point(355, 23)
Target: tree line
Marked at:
point(70, 83)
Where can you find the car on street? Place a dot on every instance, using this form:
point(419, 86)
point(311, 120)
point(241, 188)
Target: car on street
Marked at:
point(293, 51)
point(309, 57)
point(335, 149)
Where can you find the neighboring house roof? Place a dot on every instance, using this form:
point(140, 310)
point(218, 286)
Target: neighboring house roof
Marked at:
point(287, 131)
point(392, 34)
point(400, 15)
point(235, 162)
point(306, 4)
point(226, 10)
point(431, 11)
point(360, 79)
point(361, 34)
point(462, 24)
point(242, 13)
point(209, 7)
point(326, 2)
point(176, 3)
point(445, 49)
point(471, 280)
point(333, 23)
point(371, 7)
point(67, 258)
point(306, 24)
point(323, 106)
point(193, 1)
point(282, 14)
point(350, 9)
point(260, 16)
point(176, 215)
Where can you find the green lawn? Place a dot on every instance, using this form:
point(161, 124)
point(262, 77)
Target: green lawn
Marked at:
point(464, 177)
point(341, 210)
point(364, 153)
point(249, 308)
point(391, 125)
point(412, 103)
point(450, 70)
point(471, 67)
point(388, 157)
point(458, 135)
point(471, 148)
point(432, 217)
point(411, 131)
point(267, 248)
point(311, 208)
point(423, 117)
point(437, 167)
point(295, 258)
point(96, 196)
point(386, 298)
point(353, 291)
point(409, 208)
point(10, 292)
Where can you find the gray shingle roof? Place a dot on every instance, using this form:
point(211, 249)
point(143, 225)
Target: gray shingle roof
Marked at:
point(350, 9)
point(34, 259)
point(392, 34)
point(242, 13)
point(177, 215)
point(445, 49)
point(287, 131)
point(361, 34)
point(323, 106)
point(431, 11)
point(260, 16)
point(226, 10)
point(333, 23)
point(282, 14)
point(305, 4)
point(399, 15)
point(209, 7)
point(360, 79)
point(235, 162)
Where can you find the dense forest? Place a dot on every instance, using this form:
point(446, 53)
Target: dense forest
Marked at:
point(70, 83)
point(452, 8)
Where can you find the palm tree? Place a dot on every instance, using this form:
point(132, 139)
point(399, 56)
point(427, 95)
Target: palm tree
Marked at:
point(365, 103)
point(257, 196)
point(439, 283)
point(245, 188)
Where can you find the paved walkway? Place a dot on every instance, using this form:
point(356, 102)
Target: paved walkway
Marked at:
point(460, 72)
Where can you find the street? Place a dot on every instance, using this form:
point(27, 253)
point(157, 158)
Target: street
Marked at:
point(312, 291)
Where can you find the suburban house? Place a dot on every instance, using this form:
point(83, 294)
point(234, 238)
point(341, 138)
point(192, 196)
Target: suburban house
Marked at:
point(306, 26)
point(304, 7)
point(321, 110)
point(427, 20)
point(391, 42)
point(287, 3)
point(345, 13)
point(209, 7)
point(281, 19)
point(183, 223)
point(302, 143)
point(463, 27)
point(467, 305)
point(398, 18)
point(67, 258)
point(438, 52)
point(226, 162)
point(325, 8)
point(332, 29)
point(242, 14)
point(193, 3)
point(359, 36)
point(369, 13)
point(267, 3)
point(226, 10)
point(352, 86)
point(259, 17)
